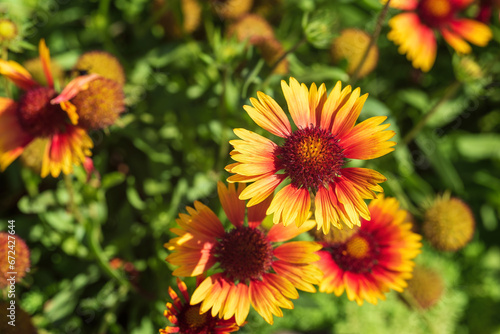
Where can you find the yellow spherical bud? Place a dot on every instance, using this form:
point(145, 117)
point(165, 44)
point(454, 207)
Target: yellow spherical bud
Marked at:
point(20, 255)
point(231, 9)
point(8, 30)
point(99, 105)
point(102, 63)
point(351, 46)
point(272, 50)
point(449, 223)
point(426, 287)
point(466, 69)
point(252, 28)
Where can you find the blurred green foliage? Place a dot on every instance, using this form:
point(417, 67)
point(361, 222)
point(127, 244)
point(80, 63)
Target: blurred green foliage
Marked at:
point(184, 97)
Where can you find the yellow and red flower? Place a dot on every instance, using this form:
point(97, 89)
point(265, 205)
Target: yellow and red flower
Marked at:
point(414, 30)
point(187, 318)
point(248, 265)
point(375, 259)
point(42, 113)
point(312, 157)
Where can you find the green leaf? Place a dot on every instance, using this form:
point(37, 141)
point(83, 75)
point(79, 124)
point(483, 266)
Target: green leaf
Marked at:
point(479, 146)
point(415, 98)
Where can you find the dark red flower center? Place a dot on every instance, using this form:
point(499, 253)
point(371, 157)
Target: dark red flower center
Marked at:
point(311, 157)
point(358, 254)
point(192, 322)
point(37, 116)
point(435, 13)
point(244, 253)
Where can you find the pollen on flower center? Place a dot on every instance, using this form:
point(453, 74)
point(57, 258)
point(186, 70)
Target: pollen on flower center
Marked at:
point(434, 12)
point(37, 115)
point(244, 253)
point(358, 247)
point(359, 254)
point(192, 322)
point(311, 157)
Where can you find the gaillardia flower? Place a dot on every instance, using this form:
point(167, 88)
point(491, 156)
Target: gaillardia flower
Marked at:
point(42, 113)
point(248, 265)
point(414, 30)
point(187, 318)
point(311, 157)
point(375, 259)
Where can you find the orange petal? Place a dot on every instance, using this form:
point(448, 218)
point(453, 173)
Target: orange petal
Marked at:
point(334, 99)
point(72, 88)
point(280, 232)
point(403, 4)
point(232, 205)
point(13, 139)
point(367, 140)
point(347, 115)
point(44, 52)
point(257, 213)
point(64, 150)
point(290, 205)
point(261, 189)
point(17, 74)
point(269, 115)
point(415, 39)
point(202, 290)
point(298, 252)
point(243, 308)
point(475, 32)
point(456, 41)
point(317, 99)
point(297, 99)
point(326, 213)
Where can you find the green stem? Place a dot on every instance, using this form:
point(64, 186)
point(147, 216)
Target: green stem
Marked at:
point(373, 41)
point(93, 232)
point(410, 300)
point(450, 92)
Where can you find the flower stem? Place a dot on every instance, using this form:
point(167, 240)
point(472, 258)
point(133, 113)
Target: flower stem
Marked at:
point(92, 232)
point(373, 41)
point(410, 300)
point(452, 89)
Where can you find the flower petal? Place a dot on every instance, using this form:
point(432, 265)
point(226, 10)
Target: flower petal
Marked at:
point(261, 189)
point(13, 139)
point(297, 99)
point(44, 52)
point(415, 39)
point(70, 91)
point(64, 150)
point(232, 205)
point(269, 115)
point(367, 140)
point(290, 205)
point(17, 74)
point(475, 32)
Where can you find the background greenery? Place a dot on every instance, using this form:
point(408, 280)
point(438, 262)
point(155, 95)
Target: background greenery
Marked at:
point(184, 97)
